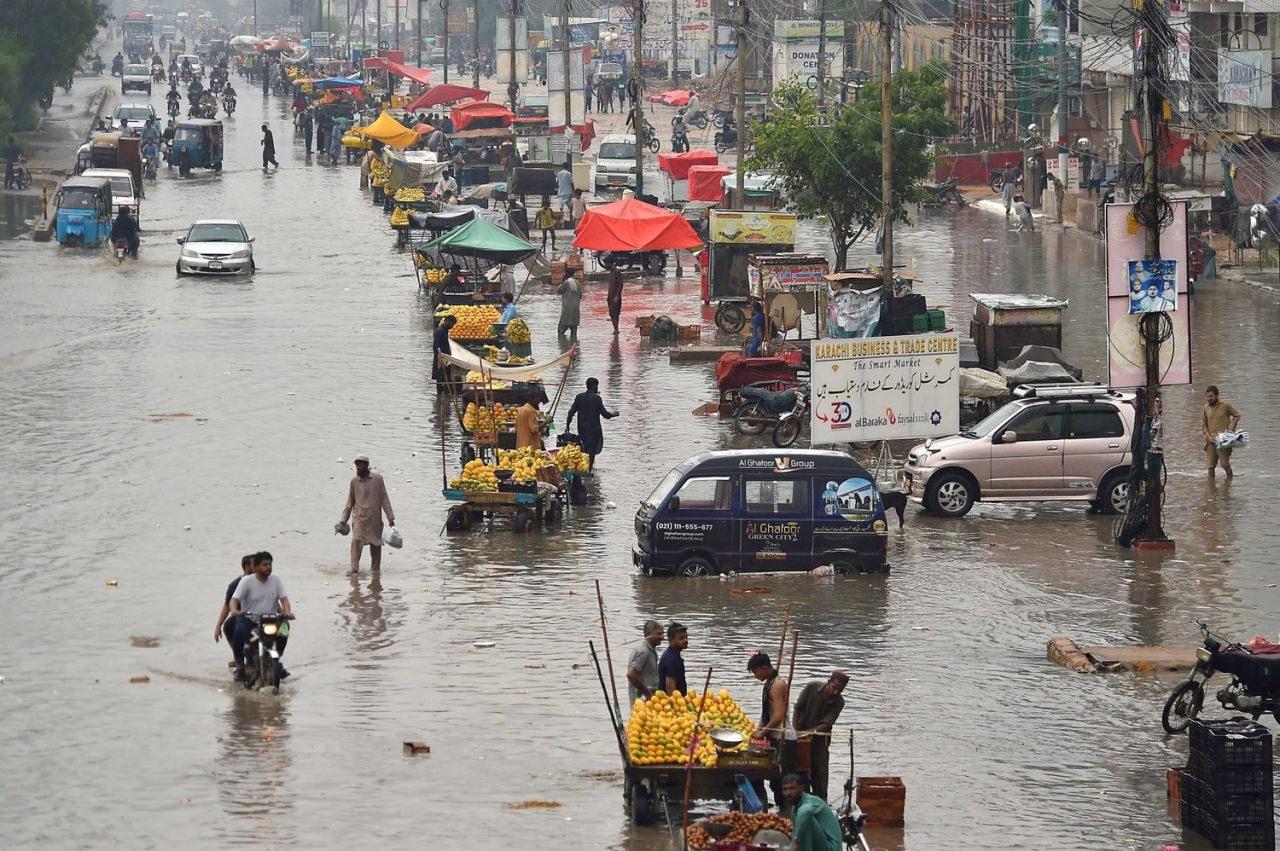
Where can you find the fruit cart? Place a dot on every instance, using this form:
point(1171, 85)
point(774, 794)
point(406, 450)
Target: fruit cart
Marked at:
point(527, 510)
point(654, 744)
point(475, 246)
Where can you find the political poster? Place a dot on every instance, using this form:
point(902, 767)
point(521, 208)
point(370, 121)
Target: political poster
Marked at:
point(885, 388)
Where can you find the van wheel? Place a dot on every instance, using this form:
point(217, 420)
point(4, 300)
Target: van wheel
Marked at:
point(843, 566)
point(1113, 496)
point(696, 567)
point(950, 494)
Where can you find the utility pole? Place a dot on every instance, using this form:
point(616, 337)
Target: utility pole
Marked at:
point(1064, 14)
point(396, 38)
point(822, 52)
point(568, 82)
point(419, 12)
point(740, 179)
point(255, 17)
point(475, 45)
point(444, 7)
point(675, 43)
point(1155, 24)
point(513, 87)
point(377, 38)
point(635, 90)
point(886, 144)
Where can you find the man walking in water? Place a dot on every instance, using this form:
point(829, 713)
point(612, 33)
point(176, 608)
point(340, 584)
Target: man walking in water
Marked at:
point(367, 500)
point(268, 149)
point(1219, 416)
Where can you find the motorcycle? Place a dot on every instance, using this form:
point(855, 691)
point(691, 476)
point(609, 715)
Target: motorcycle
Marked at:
point(149, 167)
point(850, 816)
point(652, 262)
point(122, 250)
point(262, 666)
point(229, 106)
point(174, 108)
point(157, 73)
point(760, 408)
point(996, 180)
point(719, 117)
point(945, 192)
point(19, 176)
point(725, 139)
point(791, 423)
point(679, 142)
point(651, 140)
point(1253, 690)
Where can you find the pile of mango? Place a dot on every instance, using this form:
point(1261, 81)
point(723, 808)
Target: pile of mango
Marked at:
point(660, 729)
point(475, 377)
point(399, 217)
point(474, 321)
point(518, 331)
point(431, 276)
point(476, 476)
point(411, 195)
point(378, 172)
point(524, 463)
point(572, 459)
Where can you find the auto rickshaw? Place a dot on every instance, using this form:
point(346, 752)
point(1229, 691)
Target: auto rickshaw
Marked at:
point(197, 143)
point(83, 214)
point(114, 150)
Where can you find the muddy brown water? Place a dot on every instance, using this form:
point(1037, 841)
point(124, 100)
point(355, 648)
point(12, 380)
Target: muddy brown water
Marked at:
point(326, 354)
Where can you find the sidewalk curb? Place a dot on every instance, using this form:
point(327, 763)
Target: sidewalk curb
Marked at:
point(41, 230)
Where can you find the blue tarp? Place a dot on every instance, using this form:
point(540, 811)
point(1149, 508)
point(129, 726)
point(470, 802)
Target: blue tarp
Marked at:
point(337, 83)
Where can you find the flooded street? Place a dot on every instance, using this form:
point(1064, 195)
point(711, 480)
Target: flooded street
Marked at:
point(155, 429)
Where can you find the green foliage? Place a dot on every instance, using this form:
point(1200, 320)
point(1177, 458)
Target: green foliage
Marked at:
point(41, 42)
point(833, 169)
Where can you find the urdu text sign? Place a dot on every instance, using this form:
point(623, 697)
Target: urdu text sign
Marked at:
point(885, 388)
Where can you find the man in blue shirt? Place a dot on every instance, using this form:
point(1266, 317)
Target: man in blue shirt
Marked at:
point(671, 665)
point(508, 308)
point(226, 624)
point(564, 187)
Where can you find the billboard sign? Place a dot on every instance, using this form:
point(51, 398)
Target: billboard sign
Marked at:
point(1244, 77)
point(885, 388)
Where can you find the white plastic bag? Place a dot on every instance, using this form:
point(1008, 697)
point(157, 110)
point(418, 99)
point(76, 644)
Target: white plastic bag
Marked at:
point(391, 537)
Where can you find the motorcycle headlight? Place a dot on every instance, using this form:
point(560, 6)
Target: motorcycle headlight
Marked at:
point(1203, 655)
point(270, 628)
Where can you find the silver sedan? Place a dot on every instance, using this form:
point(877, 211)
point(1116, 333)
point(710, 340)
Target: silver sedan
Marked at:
point(216, 247)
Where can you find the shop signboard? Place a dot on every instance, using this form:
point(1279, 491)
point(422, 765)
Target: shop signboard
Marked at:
point(885, 388)
point(749, 226)
point(1244, 78)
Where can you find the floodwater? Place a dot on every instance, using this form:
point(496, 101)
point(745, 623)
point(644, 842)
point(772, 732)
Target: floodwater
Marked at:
point(154, 429)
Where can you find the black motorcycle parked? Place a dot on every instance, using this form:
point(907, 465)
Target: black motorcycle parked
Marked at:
point(1253, 690)
point(945, 192)
point(760, 408)
point(791, 423)
point(262, 666)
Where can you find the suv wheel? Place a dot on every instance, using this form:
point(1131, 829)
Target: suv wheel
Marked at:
point(1113, 496)
point(696, 567)
point(950, 494)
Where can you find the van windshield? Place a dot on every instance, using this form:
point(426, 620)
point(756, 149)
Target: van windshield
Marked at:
point(664, 488)
point(994, 419)
point(617, 151)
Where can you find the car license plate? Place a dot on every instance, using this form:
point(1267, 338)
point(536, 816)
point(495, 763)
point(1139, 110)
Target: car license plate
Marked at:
point(617, 181)
point(215, 264)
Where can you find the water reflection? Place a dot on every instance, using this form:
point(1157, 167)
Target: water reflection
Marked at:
point(253, 767)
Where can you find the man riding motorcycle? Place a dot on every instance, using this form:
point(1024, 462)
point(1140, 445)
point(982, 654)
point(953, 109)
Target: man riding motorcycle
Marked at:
point(151, 155)
point(208, 105)
point(228, 98)
point(194, 91)
point(117, 65)
point(125, 228)
point(679, 135)
point(150, 131)
point(175, 101)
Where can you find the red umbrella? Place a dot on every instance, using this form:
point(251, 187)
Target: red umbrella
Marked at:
point(446, 93)
point(632, 225)
point(422, 128)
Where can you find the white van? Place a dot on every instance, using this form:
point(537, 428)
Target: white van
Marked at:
point(616, 162)
point(123, 192)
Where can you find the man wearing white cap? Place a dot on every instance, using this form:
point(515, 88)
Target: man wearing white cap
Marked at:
point(366, 501)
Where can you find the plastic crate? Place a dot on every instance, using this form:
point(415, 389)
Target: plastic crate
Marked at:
point(1232, 779)
point(1232, 810)
point(1219, 744)
point(920, 323)
point(937, 320)
point(1259, 837)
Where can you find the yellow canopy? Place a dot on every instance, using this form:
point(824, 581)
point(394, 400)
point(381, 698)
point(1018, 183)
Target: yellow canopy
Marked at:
point(389, 132)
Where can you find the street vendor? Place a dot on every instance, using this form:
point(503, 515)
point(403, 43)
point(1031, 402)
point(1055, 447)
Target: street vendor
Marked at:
point(529, 423)
point(773, 713)
point(508, 308)
point(817, 709)
point(441, 346)
point(642, 667)
point(814, 827)
point(589, 408)
point(453, 278)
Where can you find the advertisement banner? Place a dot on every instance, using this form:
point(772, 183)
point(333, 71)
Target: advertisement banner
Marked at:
point(1244, 77)
point(885, 388)
point(727, 226)
point(785, 276)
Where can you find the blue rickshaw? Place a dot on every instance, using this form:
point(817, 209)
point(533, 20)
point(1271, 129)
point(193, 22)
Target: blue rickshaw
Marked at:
point(197, 143)
point(83, 207)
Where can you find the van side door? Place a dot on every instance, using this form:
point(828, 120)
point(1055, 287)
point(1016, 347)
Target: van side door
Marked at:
point(1029, 466)
point(1095, 443)
point(775, 523)
point(697, 519)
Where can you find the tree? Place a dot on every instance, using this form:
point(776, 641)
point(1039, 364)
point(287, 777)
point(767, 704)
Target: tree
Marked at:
point(44, 39)
point(832, 168)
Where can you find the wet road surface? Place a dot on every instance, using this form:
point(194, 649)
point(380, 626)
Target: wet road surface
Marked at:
point(137, 404)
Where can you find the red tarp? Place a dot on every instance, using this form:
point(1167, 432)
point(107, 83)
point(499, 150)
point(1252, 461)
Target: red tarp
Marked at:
point(733, 370)
point(675, 97)
point(704, 182)
point(677, 165)
point(631, 225)
point(586, 132)
point(446, 93)
point(468, 113)
point(418, 75)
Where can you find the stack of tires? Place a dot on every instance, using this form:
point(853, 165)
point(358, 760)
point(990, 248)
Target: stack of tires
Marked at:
point(1226, 789)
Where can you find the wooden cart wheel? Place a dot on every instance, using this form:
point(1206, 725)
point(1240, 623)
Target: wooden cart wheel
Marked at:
point(554, 512)
point(523, 521)
point(459, 519)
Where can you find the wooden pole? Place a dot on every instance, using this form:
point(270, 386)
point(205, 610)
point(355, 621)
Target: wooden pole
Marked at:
point(791, 671)
point(688, 763)
point(617, 729)
point(782, 642)
point(604, 630)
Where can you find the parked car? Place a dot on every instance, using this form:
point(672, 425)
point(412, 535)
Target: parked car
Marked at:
point(130, 116)
point(1052, 442)
point(123, 192)
point(616, 162)
point(762, 510)
point(136, 78)
point(216, 247)
point(609, 72)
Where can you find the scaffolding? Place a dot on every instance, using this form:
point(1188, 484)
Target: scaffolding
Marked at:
point(984, 86)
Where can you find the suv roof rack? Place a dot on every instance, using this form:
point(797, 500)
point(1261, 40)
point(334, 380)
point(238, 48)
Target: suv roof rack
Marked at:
point(1075, 390)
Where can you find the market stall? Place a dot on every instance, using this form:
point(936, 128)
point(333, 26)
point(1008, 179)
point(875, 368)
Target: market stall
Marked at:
point(676, 168)
point(389, 132)
point(790, 286)
point(704, 182)
point(630, 232)
point(445, 93)
point(734, 236)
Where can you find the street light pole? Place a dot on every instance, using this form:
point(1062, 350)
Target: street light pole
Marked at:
point(886, 145)
point(444, 7)
point(419, 11)
point(475, 45)
point(740, 180)
point(634, 89)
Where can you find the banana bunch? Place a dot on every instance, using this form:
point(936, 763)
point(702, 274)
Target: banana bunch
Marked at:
point(524, 463)
point(518, 331)
point(410, 195)
point(476, 476)
point(571, 459)
point(351, 140)
point(399, 217)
